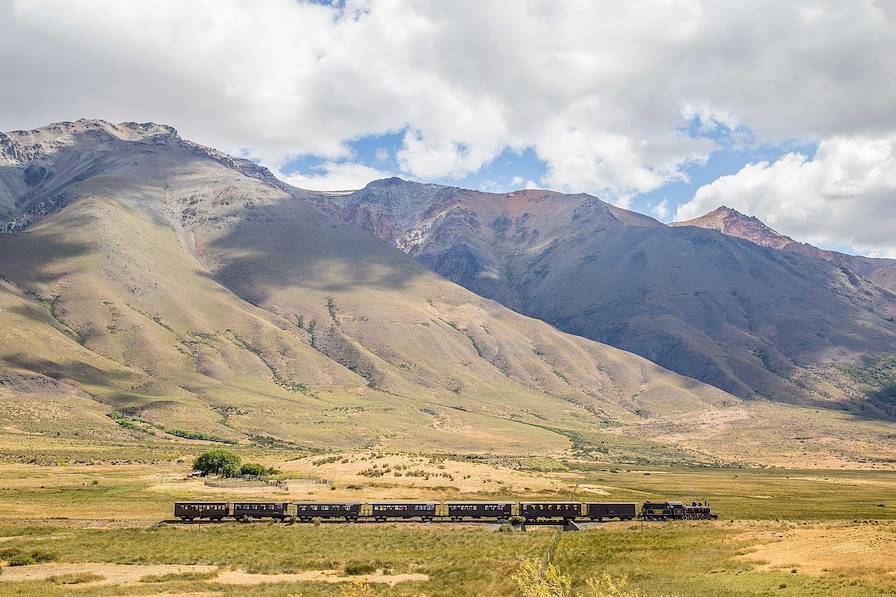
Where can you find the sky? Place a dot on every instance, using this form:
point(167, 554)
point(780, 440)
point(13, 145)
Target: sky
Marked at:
point(781, 110)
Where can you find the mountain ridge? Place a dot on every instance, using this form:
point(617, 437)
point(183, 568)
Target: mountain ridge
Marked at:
point(695, 302)
point(173, 294)
point(732, 222)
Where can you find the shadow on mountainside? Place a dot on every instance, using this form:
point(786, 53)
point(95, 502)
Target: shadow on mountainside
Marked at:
point(291, 244)
point(41, 255)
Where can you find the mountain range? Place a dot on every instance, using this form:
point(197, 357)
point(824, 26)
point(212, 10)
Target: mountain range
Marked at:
point(721, 307)
point(151, 287)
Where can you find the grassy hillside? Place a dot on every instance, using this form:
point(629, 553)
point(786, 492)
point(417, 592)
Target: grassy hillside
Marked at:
point(182, 299)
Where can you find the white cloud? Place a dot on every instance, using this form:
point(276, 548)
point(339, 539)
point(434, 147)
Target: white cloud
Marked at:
point(333, 176)
point(597, 89)
point(661, 210)
point(520, 182)
point(844, 197)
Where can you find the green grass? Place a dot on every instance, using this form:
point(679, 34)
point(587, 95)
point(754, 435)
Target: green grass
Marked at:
point(760, 494)
point(684, 559)
point(691, 560)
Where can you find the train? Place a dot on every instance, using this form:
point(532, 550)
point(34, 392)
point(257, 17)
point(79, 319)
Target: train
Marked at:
point(542, 511)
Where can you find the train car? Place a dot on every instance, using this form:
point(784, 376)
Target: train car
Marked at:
point(187, 511)
point(599, 511)
point(244, 510)
point(662, 511)
point(461, 510)
point(550, 510)
point(307, 511)
point(383, 510)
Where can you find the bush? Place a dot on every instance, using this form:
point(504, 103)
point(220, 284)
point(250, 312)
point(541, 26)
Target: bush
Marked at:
point(21, 560)
point(532, 583)
point(607, 586)
point(218, 462)
point(15, 557)
point(357, 569)
point(74, 579)
point(42, 556)
point(505, 528)
point(356, 589)
point(9, 552)
point(252, 469)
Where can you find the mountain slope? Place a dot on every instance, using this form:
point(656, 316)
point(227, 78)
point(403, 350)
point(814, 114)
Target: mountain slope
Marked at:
point(187, 294)
point(731, 222)
point(747, 319)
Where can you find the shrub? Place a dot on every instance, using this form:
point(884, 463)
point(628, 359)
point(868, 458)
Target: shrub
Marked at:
point(218, 462)
point(607, 586)
point(357, 569)
point(532, 583)
point(179, 576)
point(42, 556)
point(356, 589)
point(74, 579)
point(253, 469)
point(9, 552)
point(21, 560)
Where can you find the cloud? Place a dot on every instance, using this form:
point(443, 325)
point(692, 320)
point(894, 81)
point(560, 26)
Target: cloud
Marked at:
point(601, 91)
point(843, 197)
point(661, 210)
point(520, 182)
point(333, 176)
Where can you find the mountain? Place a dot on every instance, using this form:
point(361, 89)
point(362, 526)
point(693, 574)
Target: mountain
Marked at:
point(732, 222)
point(748, 319)
point(152, 287)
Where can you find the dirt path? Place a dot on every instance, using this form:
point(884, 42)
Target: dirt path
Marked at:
point(130, 574)
point(825, 548)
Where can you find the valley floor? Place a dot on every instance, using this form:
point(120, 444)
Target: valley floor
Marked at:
point(96, 519)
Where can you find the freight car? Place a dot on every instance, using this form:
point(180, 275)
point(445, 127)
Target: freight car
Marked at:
point(599, 511)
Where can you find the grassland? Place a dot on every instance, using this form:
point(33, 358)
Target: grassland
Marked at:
point(102, 522)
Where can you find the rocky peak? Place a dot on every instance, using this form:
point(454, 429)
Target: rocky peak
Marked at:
point(733, 223)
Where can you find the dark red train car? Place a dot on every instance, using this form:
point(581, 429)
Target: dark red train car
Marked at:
point(460, 510)
point(243, 510)
point(550, 510)
point(211, 510)
point(383, 510)
point(599, 511)
point(348, 511)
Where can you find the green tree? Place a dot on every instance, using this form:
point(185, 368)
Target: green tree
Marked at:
point(218, 462)
point(253, 469)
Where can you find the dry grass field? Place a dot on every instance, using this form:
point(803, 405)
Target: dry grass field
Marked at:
point(95, 519)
